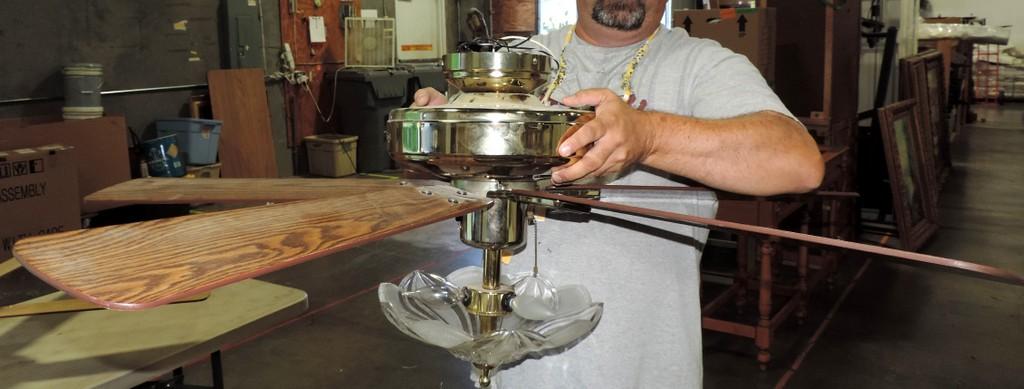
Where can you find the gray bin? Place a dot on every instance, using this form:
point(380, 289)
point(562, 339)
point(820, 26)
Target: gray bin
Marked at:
point(366, 97)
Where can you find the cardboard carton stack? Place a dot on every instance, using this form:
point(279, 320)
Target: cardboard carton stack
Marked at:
point(38, 194)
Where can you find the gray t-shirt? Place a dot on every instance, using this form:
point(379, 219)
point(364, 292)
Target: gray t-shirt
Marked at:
point(649, 281)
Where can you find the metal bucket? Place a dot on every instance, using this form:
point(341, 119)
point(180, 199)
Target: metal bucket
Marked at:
point(83, 83)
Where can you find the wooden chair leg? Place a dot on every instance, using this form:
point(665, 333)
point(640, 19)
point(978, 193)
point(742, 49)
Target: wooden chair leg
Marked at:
point(801, 311)
point(740, 278)
point(763, 334)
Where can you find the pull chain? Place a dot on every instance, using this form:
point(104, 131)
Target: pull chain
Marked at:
point(536, 239)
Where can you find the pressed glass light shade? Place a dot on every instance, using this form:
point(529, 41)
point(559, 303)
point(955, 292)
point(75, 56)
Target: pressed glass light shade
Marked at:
point(545, 319)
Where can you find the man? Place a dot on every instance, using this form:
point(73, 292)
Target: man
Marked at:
point(698, 111)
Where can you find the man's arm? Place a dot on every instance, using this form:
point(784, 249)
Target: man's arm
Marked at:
point(763, 153)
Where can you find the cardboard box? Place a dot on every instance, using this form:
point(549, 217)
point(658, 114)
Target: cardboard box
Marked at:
point(38, 194)
point(101, 146)
point(203, 171)
point(750, 32)
point(331, 155)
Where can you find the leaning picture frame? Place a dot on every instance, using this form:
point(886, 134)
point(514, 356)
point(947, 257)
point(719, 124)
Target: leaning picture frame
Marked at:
point(935, 89)
point(910, 178)
point(914, 85)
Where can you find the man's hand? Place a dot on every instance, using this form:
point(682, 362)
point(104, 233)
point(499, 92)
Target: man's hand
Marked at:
point(426, 97)
point(619, 134)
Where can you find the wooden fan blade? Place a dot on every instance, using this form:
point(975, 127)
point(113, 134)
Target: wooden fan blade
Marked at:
point(230, 190)
point(957, 266)
point(143, 265)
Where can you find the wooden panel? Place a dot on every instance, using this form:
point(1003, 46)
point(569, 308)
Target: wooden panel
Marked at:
point(101, 147)
point(800, 55)
point(514, 17)
point(232, 190)
point(845, 72)
point(142, 265)
point(239, 99)
point(818, 59)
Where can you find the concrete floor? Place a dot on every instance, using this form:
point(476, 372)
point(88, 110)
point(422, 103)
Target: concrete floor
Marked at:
point(898, 326)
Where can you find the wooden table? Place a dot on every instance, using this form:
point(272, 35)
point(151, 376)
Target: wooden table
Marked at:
point(771, 212)
point(122, 349)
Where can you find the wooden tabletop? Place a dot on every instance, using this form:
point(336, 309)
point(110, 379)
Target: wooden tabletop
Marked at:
point(123, 349)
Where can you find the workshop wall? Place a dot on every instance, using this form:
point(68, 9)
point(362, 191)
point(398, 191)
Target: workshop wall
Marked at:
point(141, 44)
point(309, 105)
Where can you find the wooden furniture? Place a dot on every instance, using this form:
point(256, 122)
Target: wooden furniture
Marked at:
point(817, 65)
point(124, 349)
point(771, 212)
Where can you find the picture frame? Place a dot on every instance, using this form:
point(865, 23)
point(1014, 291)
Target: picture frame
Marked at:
point(914, 85)
point(936, 111)
point(911, 179)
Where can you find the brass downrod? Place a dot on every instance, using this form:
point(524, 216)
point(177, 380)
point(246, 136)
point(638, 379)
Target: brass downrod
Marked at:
point(492, 269)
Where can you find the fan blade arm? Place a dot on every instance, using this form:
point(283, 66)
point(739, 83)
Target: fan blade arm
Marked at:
point(906, 257)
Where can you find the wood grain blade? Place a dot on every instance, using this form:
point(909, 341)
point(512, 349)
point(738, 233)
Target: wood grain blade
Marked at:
point(907, 257)
point(232, 190)
point(142, 265)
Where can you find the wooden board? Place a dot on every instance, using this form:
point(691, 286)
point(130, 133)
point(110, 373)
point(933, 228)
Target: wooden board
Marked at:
point(142, 265)
point(239, 99)
point(232, 190)
point(101, 147)
point(108, 349)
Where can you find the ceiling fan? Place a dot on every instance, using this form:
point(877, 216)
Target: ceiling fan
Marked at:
point(489, 146)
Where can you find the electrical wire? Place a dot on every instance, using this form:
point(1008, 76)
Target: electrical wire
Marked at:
point(334, 98)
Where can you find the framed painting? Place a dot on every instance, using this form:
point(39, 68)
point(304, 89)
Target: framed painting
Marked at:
point(936, 110)
point(910, 178)
point(914, 85)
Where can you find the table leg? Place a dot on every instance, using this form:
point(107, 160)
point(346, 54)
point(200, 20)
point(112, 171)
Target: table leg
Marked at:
point(763, 334)
point(218, 370)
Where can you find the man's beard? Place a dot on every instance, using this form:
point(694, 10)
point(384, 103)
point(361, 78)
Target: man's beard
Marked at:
point(625, 15)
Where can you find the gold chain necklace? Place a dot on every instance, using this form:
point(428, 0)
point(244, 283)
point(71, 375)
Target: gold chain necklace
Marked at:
point(627, 76)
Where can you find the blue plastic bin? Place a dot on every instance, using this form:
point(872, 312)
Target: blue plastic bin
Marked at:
point(197, 138)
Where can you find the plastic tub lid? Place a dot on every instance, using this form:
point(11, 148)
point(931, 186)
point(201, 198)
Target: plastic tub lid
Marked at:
point(191, 120)
point(331, 138)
